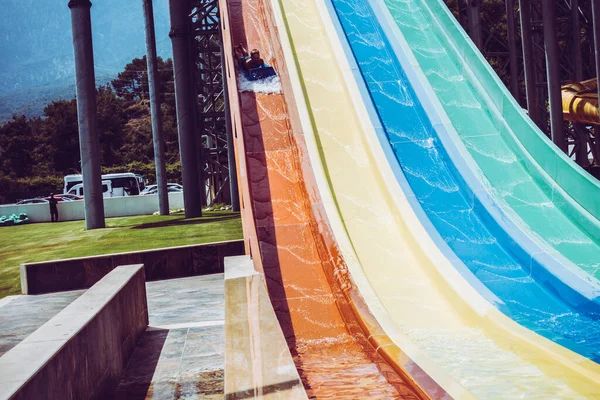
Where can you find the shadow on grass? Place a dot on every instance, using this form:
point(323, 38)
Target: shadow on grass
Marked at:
point(183, 221)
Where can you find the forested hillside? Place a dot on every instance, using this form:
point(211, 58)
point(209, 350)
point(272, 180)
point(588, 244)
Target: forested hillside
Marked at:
point(35, 153)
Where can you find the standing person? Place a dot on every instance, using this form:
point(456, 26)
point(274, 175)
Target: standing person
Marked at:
point(53, 208)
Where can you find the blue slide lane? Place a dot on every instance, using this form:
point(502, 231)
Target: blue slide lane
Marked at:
point(447, 206)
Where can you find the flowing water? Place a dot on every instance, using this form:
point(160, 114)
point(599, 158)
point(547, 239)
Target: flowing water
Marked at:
point(528, 198)
point(334, 361)
point(445, 199)
point(268, 85)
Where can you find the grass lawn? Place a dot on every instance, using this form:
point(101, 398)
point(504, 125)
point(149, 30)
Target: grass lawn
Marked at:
point(52, 241)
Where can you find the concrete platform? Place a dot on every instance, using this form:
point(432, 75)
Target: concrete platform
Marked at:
point(182, 353)
point(180, 356)
point(195, 301)
point(92, 339)
point(20, 316)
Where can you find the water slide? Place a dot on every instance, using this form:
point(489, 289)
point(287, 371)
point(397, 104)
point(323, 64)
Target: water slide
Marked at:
point(519, 278)
point(338, 347)
point(367, 301)
point(538, 186)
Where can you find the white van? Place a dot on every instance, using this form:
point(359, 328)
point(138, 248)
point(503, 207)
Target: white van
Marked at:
point(107, 190)
point(123, 184)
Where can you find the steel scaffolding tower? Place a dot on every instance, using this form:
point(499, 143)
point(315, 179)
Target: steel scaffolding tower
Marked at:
point(211, 101)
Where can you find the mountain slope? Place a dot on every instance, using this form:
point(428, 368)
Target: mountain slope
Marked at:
point(37, 51)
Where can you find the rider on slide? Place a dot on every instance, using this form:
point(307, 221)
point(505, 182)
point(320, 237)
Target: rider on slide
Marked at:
point(248, 63)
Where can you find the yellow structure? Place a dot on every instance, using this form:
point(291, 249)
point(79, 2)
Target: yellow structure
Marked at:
point(580, 102)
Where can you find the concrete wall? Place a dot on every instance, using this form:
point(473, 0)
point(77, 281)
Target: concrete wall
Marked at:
point(113, 207)
point(82, 352)
point(167, 263)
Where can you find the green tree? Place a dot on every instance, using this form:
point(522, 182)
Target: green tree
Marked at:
point(36, 153)
point(111, 119)
point(170, 134)
point(17, 145)
point(132, 86)
point(60, 136)
point(132, 83)
point(138, 134)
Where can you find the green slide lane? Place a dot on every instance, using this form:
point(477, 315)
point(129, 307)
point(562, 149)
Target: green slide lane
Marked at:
point(542, 190)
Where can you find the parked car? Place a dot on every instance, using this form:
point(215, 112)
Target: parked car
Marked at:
point(170, 189)
point(32, 201)
point(67, 197)
point(153, 189)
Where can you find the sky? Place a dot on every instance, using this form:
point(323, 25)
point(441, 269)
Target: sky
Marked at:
point(36, 41)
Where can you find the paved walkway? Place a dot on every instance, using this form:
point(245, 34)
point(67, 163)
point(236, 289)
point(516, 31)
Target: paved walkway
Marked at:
point(181, 355)
point(22, 315)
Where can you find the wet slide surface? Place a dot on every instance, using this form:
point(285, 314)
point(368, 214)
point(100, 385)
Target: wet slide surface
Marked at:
point(330, 350)
point(513, 179)
point(447, 201)
point(397, 264)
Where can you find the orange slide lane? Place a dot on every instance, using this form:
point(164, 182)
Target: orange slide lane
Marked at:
point(289, 240)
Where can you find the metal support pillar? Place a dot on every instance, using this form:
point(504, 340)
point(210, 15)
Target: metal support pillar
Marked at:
point(596, 19)
point(89, 143)
point(576, 40)
point(211, 117)
point(581, 133)
point(155, 111)
point(596, 146)
point(474, 17)
point(184, 100)
point(461, 7)
point(581, 153)
point(200, 151)
point(596, 29)
point(553, 73)
point(233, 183)
point(512, 49)
point(528, 61)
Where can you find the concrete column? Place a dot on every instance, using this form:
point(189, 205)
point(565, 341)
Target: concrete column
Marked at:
point(155, 111)
point(184, 88)
point(528, 61)
point(512, 49)
point(89, 144)
point(553, 73)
